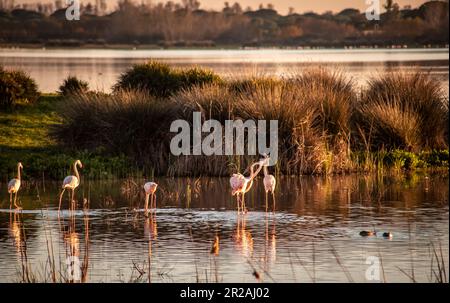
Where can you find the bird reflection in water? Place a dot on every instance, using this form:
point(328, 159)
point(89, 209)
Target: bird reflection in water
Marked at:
point(76, 272)
point(151, 234)
point(270, 243)
point(17, 231)
point(243, 237)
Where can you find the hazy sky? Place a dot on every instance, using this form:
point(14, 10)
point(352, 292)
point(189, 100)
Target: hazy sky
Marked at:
point(281, 5)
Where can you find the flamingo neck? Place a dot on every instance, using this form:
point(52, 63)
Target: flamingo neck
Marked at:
point(76, 171)
point(254, 173)
point(266, 171)
point(18, 172)
point(249, 186)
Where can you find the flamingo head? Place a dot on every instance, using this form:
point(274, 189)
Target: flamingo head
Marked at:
point(78, 162)
point(20, 165)
point(265, 161)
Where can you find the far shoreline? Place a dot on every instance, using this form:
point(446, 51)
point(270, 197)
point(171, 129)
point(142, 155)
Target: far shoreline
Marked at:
point(31, 46)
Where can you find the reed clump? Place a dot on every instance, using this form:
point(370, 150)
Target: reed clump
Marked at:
point(404, 110)
point(161, 80)
point(324, 124)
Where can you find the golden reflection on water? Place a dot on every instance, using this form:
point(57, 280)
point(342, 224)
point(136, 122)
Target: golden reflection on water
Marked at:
point(243, 237)
point(309, 209)
point(77, 269)
point(17, 231)
point(151, 233)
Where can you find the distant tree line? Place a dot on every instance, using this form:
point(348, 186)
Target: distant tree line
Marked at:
point(186, 24)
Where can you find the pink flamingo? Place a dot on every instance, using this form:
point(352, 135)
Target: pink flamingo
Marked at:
point(71, 182)
point(240, 184)
point(14, 186)
point(269, 183)
point(150, 189)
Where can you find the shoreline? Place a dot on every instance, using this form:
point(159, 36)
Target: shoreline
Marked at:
point(31, 46)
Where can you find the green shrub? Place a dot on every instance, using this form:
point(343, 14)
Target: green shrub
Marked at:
point(72, 85)
point(16, 86)
point(160, 80)
point(401, 159)
point(435, 158)
point(9, 91)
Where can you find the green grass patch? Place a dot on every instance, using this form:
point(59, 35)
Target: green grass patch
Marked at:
point(25, 137)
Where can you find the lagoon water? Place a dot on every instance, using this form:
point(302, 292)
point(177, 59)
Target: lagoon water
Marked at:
point(101, 67)
point(312, 236)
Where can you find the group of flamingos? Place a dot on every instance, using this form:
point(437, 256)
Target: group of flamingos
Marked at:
point(240, 185)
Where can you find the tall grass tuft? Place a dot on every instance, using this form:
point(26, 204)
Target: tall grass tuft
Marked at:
point(404, 110)
point(160, 80)
point(129, 122)
point(72, 85)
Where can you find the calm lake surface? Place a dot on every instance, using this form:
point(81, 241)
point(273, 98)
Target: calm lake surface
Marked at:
point(101, 67)
point(312, 236)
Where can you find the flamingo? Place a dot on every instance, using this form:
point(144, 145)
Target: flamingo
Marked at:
point(71, 182)
point(14, 186)
point(240, 184)
point(269, 183)
point(150, 189)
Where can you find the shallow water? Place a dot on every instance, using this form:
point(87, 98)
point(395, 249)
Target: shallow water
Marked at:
point(312, 236)
point(101, 67)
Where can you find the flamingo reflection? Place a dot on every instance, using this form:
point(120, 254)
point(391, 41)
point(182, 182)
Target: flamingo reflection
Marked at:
point(270, 245)
point(76, 271)
point(17, 231)
point(243, 237)
point(151, 233)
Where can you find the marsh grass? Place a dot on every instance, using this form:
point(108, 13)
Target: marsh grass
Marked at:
point(325, 125)
point(160, 80)
point(404, 110)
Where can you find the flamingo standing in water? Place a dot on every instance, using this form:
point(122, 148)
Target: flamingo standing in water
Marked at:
point(240, 184)
point(150, 189)
point(71, 182)
point(14, 186)
point(269, 183)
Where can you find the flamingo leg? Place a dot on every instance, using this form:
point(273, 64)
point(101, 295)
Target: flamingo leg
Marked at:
point(237, 200)
point(146, 202)
point(10, 200)
point(243, 203)
point(60, 198)
point(71, 200)
point(267, 199)
point(273, 198)
point(15, 201)
point(154, 201)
